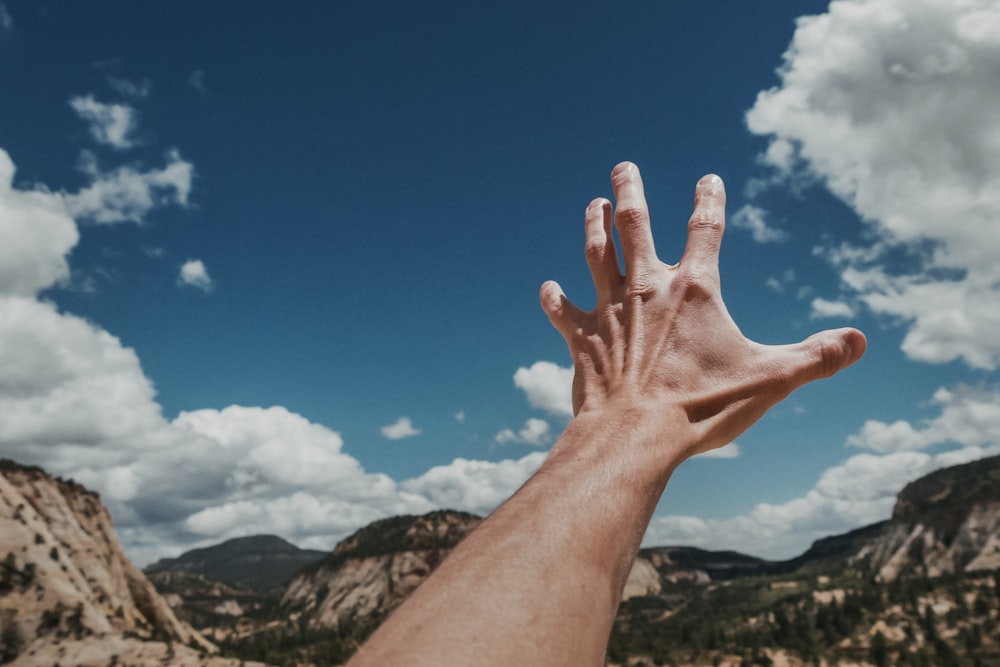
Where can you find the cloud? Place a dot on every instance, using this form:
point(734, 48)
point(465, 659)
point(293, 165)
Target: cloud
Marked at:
point(197, 81)
point(779, 283)
point(474, 486)
point(460, 416)
point(6, 22)
point(754, 220)
point(860, 491)
point(36, 235)
point(128, 194)
point(130, 89)
point(969, 417)
point(549, 387)
point(402, 428)
point(824, 308)
point(889, 104)
point(535, 432)
point(730, 451)
point(110, 124)
point(194, 273)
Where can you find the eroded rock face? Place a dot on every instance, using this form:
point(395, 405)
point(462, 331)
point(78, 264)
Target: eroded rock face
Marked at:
point(965, 542)
point(371, 572)
point(65, 581)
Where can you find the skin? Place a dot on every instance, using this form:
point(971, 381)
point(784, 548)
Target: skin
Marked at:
point(661, 373)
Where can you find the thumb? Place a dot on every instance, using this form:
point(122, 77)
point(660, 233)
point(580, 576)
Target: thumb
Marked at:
point(825, 353)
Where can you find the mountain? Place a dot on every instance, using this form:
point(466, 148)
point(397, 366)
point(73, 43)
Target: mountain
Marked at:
point(371, 572)
point(946, 522)
point(68, 593)
point(689, 606)
point(262, 563)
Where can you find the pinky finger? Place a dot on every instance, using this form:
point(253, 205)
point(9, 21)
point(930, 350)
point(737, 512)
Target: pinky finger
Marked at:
point(563, 315)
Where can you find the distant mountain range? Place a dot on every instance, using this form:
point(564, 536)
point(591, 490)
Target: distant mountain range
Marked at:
point(921, 588)
point(262, 563)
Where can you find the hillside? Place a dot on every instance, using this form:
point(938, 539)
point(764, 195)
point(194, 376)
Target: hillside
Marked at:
point(68, 594)
point(689, 606)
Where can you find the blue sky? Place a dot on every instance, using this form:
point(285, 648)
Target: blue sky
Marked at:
point(274, 268)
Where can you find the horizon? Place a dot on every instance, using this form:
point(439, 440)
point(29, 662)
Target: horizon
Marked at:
point(276, 269)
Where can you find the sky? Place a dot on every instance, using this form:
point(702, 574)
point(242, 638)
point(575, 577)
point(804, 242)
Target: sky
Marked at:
point(273, 267)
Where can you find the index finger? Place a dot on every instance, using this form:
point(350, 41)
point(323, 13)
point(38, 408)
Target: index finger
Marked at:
point(632, 219)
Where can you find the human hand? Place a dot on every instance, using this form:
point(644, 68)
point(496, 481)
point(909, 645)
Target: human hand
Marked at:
point(660, 346)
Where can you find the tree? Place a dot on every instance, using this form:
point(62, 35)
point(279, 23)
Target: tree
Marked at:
point(879, 651)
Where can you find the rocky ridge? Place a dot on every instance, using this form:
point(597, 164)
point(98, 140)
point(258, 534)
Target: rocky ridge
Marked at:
point(68, 593)
point(371, 572)
point(946, 522)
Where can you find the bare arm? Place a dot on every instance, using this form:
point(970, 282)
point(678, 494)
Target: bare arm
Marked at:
point(661, 373)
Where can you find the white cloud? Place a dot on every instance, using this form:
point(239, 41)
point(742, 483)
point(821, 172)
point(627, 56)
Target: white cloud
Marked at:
point(535, 432)
point(36, 235)
point(128, 194)
point(548, 386)
point(754, 220)
point(460, 416)
point(6, 22)
point(130, 89)
point(110, 124)
point(969, 417)
point(890, 104)
point(824, 308)
point(730, 451)
point(194, 273)
point(474, 486)
point(860, 491)
point(779, 283)
point(401, 428)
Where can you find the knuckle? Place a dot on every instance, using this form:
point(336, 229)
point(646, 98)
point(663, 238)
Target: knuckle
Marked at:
point(705, 222)
point(693, 284)
point(828, 355)
point(594, 250)
point(631, 216)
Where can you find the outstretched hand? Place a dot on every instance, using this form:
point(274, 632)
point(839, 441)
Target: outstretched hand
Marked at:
point(661, 345)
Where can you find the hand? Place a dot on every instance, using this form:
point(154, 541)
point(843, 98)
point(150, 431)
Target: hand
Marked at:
point(661, 345)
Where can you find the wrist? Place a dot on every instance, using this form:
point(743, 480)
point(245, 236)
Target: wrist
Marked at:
point(641, 443)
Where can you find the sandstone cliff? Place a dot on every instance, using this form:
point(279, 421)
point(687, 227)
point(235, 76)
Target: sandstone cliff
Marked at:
point(948, 521)
point(68, 594)
point(371, 572)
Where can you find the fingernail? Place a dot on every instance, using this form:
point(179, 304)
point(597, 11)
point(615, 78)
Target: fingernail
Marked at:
point(622, 168)
point(710, 181)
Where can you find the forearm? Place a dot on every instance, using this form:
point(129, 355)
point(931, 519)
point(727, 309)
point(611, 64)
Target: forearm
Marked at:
point(539, 582)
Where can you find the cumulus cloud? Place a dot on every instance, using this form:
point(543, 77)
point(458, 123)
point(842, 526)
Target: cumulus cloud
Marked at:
point(825, 308)
point(548, 386)
point(754, 220)
point(969, 417)
point(194, 274)
point(110, 124)
point(36, 235)
point(128, 194)
point(401, 428)
point(889, 103)
point(860, 491)
point(474, 486)
point(535, 432)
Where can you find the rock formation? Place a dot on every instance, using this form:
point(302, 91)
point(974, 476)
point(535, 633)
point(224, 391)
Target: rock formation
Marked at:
point(68, 593)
